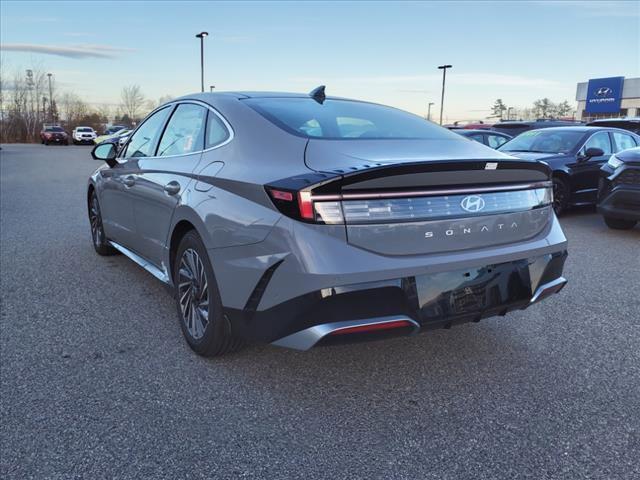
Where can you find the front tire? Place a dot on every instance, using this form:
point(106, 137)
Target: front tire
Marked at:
point(561, 193)
point(198, 302)
point(99, 239)
point(618, 224)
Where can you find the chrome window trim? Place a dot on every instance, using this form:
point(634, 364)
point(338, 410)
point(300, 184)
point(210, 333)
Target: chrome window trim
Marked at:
point(431, 193)
point(174, 104)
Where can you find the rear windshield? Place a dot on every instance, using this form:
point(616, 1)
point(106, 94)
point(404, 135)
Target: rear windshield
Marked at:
point(54, 129)
point(544, 141)
point(344, 119)
point(631, 126)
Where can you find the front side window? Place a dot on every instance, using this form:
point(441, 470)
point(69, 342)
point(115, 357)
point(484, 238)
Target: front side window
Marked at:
point(216, 130)
point(345, 119)
point(185, 131)
point(623, 141)
point(495, 140)
point(599, 140)
point(478, 137)
point(143, 141)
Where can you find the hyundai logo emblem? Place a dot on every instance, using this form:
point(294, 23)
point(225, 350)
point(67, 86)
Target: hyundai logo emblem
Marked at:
point(604, 92)
point(472, 203)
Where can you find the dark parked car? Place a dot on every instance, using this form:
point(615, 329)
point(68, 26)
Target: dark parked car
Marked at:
point(54, 134)
point(619, 192)
point(113, 129)
point(629, 123)
point(575, 154)
point(302, 219)
point(486, 137)
point(516, 127)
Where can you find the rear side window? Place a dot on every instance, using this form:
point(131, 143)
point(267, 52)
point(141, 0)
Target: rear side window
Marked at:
point(623, 141)
point(344, 119)
point(185, 131)
point(217, 131)
point(143, 141)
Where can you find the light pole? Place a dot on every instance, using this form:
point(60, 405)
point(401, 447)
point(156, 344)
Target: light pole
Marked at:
point(201, 36)
point(211, 87)
point(50, 97)
point(429, 110)
point(444, 76)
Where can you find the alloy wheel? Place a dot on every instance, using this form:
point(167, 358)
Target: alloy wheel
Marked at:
point(97, 232)
point(193, 293)
point(559, 196)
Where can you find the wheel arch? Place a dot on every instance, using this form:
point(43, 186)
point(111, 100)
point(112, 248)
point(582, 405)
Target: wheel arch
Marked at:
point(564, 176)
point(184, 221)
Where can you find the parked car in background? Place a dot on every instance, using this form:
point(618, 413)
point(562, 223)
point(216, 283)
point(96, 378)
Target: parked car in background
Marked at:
point(54, 134)
point(516, 127)
point(113, 129)
point(468, 125)
point(486, 137)
point(619, 192)
point(300, 220)
point(113, 137)
point(83, 135)
point(627, 123)
point(575, 155)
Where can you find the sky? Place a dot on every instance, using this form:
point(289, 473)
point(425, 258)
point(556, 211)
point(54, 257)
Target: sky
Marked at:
point(386, 52)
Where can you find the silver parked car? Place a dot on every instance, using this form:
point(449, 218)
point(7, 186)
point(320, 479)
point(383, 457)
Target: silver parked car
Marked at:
point(301, 220)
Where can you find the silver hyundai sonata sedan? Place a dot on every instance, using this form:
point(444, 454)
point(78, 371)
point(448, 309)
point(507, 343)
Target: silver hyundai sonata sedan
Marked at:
point(301, 220)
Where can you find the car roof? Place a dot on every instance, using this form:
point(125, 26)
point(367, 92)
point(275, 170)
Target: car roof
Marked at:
point(463, 131)
point(617, 119)
point(582, 128)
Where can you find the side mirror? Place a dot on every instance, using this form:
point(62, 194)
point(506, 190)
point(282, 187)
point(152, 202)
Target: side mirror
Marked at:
point(593, 152)
point(106, 152)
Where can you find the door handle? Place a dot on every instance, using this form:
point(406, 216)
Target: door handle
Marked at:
point(172, 187)
point(129, 181)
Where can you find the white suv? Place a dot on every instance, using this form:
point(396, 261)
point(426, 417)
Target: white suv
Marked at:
point(83, 135)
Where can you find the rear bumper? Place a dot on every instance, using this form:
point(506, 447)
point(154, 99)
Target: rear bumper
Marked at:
point(408, 304)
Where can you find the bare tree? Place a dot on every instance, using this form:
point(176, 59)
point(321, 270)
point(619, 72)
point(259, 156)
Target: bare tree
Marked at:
point(133, 101)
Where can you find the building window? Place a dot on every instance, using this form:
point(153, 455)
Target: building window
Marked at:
point(588, 117)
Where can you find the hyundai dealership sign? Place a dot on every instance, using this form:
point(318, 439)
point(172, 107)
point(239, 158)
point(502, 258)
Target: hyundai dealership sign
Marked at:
point(604, 95)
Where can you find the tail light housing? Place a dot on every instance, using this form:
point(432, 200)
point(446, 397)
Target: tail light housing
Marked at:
point(400, 207)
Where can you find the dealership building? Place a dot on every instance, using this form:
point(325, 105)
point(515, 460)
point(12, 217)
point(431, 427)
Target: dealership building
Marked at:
point(608, 98)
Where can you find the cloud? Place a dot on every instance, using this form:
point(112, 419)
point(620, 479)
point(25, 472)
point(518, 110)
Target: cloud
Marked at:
point(73, 51)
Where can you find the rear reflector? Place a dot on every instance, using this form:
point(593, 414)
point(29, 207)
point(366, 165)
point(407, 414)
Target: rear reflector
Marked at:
point(280, 195)
point(373, 327)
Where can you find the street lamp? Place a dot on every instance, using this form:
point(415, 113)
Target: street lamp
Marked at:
point(444, 76)
point(50, 97)
point(429, 111)
point(211, 87)
point(201, 36)
point(509, 113)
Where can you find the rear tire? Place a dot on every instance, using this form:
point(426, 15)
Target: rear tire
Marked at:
point(202, 320)
point(99, 239)
point(618, 224)
point(561, 193)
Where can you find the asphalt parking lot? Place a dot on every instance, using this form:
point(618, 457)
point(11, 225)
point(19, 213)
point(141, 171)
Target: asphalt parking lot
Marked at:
point(97, 382)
